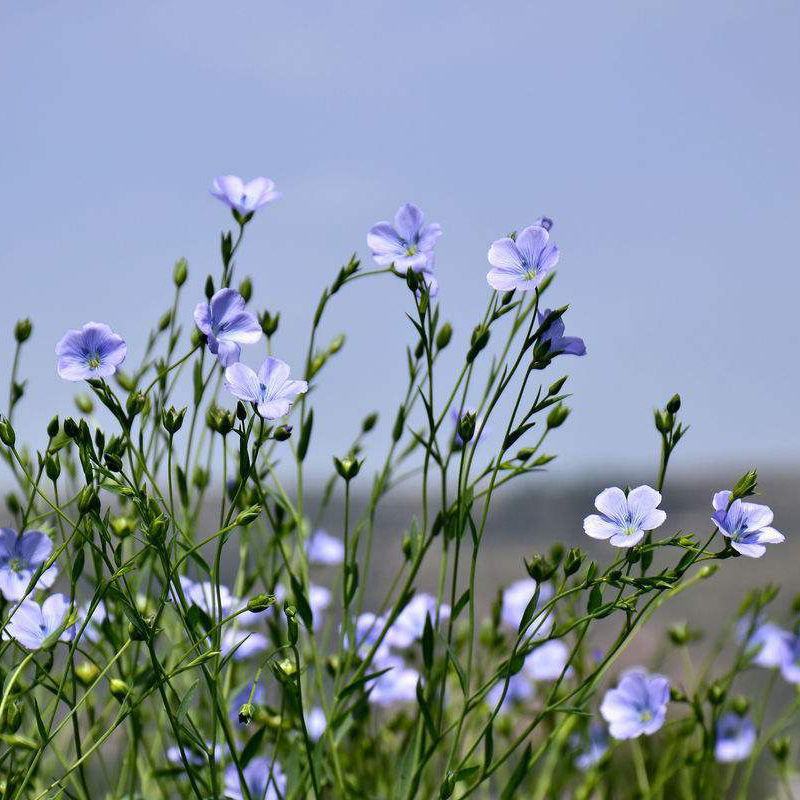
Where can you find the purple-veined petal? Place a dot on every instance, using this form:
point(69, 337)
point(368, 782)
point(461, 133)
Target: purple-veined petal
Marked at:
point(34, 547)
point(274, 409)
point(273, 373)
point(408, 221)
point(530, 243)
point(613, 503)
point(769, 536)
point(385, 244)
point(505, 255)
point(242, 382)
point(202, 317)
point(227, 352)
point(621, 539)
point(749, 550)
point(428, 236)
point(642, 500)
point(599, 527)
point(720, 500)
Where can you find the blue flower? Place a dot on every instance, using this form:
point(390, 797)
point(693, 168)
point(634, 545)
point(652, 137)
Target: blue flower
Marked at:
point(94, 351)
point(264, 778)
point(407, 244)
point(548, 661)
point(771, 645)
point(32, 625)
point(624, 520)
point(747, 525)
point(227, 325)
point(523, 263)
point(410, 622)
point(20, 558)
point(398, 685)
point(554, 337)
point(736, 736)
point(316, 723)
point(269, 389)
point(244, 197)
point(322, 548)
point(515, 600)
point(592, 750)
point(637, 706)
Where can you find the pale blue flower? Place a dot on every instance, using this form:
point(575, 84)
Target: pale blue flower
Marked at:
point(736, 737)
point(315, 723)
point(322, 548)
point(407, 243)
point(553, 336)
point(20, 557)
point(245, 198)
point(94, 351)
point(515, 600)
point(32, 625)
point(624, 520)
point(410, 622)
point(398, 685)
point(593, 749)
point(548, 661)
point(522, 263)
point(746, 525)
point(264, 778)
point(227, 325)
point(638, 705)
point(269, 390)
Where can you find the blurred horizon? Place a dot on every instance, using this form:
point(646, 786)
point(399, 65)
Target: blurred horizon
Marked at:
point(660, 137)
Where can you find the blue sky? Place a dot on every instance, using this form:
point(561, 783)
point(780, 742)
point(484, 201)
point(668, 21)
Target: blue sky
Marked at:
point(661, 136)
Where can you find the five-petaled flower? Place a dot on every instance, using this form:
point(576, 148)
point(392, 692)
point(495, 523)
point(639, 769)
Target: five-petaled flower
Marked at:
point(227, 325)
point(246, 198)
point(407, 243)
point(20, 558)
point(515, 600)
point(624, 520)
point(553, 336)
point(32, 624)
point(736, 736)
point(638, 705)
point(94, 351)
point(269, 389)
point(522, 263)
point(747, 525)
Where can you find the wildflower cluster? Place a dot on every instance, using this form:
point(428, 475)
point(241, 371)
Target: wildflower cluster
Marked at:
point(176, 623)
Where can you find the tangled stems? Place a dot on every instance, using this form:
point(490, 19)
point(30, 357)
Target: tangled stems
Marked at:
point(337, 702)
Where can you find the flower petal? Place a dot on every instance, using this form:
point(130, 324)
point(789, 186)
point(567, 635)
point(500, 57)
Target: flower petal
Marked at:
point(408, 221)
point(505, 255)
point(242, 382)
point(613, 503)
point(599, 527)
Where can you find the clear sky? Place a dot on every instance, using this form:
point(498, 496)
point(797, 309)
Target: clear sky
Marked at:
point(661, 136)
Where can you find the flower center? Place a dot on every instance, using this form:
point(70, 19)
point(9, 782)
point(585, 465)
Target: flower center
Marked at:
point(412, 250)
point(530, 274)
point(646, 715)
point(94, 361)
point(15, 564)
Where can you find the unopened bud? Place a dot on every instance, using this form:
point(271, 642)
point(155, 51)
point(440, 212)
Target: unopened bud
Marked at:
point(172, 419)
point(7, 435)
point(282, 433)
point(209, 287)
point(87, 672)
point(88, 500)
point(557, 416)
point(261, 602)
point(23, 330)
point(246, 289)
point(369, 422)
point(52, 428)
point(118, 688)
point(674, 404)
point(780, 748)
point(180, 272)
point(466, 426)
point(246, 712)
point(347, 468)
point(573, 561)
point(248, 516)
point(444, 336)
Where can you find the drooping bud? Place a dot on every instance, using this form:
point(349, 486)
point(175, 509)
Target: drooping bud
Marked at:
point(87, 672)
point(261, 602)
point(118, 688)
point(246, 712)
point(557, 416)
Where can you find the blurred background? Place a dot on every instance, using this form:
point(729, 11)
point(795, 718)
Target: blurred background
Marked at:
point(660, 136)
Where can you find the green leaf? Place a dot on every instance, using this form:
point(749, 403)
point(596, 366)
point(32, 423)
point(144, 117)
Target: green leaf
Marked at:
point(517, 776)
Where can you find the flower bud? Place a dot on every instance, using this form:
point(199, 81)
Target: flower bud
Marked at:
point(679, 633)
point(246, 289)
point(539, 568)
point(118, 688)
point(23, 330)
point(13, 717)
point(52, 428)
point(180, 272)
point(269, 324)
point(261, 602)
point(780, 748)
point(87, 672)
point(135, 404)
point(209, 287)
point(52, 466)
point(246, 712)
point(282, 433)
point(369, 422)
point(347, 468)
point(555, 387)
point(200, 478)
point(172, 419)
point(479, 340)
point(716, 694)
point(249, 515)
point(557, 416)
point(741, 704)
point(664, 421)
point(156, 532)
point(676, 695)
point(12, 504)
point(674, 404)
point(573, 561)
point(88, 500)
point(466, 426)
point(71, 428)
point(122, 526)
point(7, 435)
point(444, 336)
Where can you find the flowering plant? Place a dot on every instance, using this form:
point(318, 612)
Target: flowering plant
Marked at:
point(176, 624)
